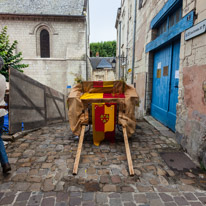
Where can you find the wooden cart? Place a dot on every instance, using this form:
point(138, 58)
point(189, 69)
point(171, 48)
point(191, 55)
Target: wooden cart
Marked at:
point(124, 104)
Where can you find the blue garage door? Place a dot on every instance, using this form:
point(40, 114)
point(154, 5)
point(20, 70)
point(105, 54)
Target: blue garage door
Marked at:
point(165, 84)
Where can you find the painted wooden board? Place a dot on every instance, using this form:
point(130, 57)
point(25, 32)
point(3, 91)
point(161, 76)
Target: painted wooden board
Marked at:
point(165, 87)
point(172, 33)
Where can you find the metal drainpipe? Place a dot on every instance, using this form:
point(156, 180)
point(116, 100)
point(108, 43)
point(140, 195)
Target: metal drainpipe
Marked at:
point(87, 25)
point(86, 53)
point(134, 35)
point(119, 45)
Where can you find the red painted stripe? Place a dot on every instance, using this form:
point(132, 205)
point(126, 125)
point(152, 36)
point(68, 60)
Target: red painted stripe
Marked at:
point(99, 111)
point(98, 84)
point(107, 95)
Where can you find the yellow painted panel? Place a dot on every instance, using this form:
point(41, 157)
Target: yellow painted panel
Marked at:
point(109, 126)
point(92, 96)
point(108, 84)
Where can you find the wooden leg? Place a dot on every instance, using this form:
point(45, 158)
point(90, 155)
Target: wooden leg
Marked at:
point(129, 158)
point(79, 149)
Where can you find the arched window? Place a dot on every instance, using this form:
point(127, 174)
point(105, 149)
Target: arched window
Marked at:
point(44, 44)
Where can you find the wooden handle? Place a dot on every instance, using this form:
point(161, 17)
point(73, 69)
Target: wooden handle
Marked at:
point(79, 149)
point(129, 158)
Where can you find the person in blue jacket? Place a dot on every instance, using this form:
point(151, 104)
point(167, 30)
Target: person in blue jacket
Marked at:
point(3, 156)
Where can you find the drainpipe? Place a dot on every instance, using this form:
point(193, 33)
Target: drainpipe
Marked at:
point(134, 35)
point(86, 52)
point(86, 55)
point(119, 45)
point(87, 24)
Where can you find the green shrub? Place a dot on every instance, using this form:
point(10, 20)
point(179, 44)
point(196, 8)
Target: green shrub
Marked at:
point(7, 53)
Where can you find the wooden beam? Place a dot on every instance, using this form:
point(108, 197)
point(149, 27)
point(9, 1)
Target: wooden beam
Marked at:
point(129, 158)
point(185, 23)
point(79, 149)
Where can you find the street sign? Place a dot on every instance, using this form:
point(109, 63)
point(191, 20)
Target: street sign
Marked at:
point(196, 30)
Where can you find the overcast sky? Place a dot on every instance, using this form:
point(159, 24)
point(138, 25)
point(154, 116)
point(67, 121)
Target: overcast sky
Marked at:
point(102, 20)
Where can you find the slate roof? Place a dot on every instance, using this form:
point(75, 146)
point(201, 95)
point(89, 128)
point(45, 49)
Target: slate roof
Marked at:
point(101, 62)
point(104, 64)
point(42, 7)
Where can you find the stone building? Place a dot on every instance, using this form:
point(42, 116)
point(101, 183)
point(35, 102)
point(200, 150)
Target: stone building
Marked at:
point(53, 37)
point(169, 45)
point(102, 69)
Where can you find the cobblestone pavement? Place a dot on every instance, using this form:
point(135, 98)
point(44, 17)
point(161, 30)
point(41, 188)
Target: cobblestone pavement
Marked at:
point(42, 163)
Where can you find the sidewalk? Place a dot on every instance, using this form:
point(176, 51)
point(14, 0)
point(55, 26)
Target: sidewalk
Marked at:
point(42, 164)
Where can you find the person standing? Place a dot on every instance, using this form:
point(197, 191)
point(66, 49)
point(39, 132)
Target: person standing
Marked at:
point(3, 156)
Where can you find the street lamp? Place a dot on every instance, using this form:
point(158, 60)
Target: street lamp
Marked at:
point(113, 63)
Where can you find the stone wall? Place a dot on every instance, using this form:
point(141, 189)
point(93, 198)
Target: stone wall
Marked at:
point(126, 20)
point(140, 88)
point(191, 107)
point(67, 49)
point(143, 66)
point(144, 61)
point(103, 75)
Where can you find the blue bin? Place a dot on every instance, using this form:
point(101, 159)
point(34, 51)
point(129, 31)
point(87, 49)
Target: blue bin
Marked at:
point(6, 124)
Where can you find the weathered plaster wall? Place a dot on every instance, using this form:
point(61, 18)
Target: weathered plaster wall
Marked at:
point(140, 88)
point(191, 107)
point(103, 75)
point(67, 49)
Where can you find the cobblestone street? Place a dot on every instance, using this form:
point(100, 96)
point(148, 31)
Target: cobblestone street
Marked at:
point(42, 164)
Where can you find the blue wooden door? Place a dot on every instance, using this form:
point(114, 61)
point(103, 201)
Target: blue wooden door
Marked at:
point(174, 85)
point(165, 84)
